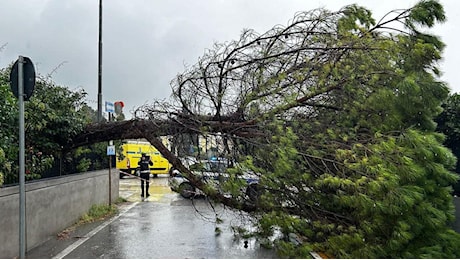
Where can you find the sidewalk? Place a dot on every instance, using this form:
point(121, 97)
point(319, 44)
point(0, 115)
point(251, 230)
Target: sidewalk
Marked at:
point(55, 245)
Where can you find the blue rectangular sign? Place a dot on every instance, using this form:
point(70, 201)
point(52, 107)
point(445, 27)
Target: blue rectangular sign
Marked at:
point(109, 108)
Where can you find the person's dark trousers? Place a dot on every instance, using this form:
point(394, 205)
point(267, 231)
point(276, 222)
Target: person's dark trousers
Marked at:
point(145, 178)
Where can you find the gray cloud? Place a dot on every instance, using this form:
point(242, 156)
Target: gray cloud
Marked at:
point(147, 42)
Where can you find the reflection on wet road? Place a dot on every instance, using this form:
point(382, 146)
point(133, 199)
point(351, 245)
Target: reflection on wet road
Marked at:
point(168, 226)
point(130, 188)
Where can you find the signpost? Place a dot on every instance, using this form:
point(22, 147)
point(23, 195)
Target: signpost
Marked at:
point(22, 83)
point(110, 153)
point(110, 109)
point(111, 150)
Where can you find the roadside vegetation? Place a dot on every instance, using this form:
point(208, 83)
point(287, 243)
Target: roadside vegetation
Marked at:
point(101, 212)
point(95, 213)
point(52, 115)
point(98, 212)
point(448, 123)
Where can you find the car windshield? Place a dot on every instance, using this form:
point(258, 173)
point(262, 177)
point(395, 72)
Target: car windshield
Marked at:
point(215, 167)
point(210, 166)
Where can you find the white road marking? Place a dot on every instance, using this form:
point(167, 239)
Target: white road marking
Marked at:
point(83, 239)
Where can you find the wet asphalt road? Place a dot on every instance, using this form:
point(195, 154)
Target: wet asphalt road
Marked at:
point(164, 226)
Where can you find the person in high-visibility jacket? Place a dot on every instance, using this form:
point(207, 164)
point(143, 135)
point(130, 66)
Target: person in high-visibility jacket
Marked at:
point(144, 164)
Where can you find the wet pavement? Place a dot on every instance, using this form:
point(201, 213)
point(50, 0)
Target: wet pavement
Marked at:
point(164, 226)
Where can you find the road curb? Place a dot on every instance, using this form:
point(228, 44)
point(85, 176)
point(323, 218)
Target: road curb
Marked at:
point(93, 232)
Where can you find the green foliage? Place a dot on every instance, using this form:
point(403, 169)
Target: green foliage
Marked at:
point(120, 200)
point(356, 19)
point(83, 165)
point(2, 162)
point(91, 157)
point(8, 134)
point(369, 178)
point(426, 13)
point(387, 196)
point(98, 212)
point(52, 116)
point(37, 163)
point(449, 124)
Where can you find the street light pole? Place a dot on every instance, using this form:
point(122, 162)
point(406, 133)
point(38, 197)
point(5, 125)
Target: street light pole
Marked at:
point(99, 76)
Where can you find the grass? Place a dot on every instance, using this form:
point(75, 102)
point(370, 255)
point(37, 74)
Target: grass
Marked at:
point(120, 200)
point(95, 213)
point(98, 212)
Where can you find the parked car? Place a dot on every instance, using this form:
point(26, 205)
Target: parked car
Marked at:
point(214, 173)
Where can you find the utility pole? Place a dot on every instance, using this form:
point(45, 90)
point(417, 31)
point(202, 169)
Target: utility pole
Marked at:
point(99, 76)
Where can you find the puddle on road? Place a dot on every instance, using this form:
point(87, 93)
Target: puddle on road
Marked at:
point(130, 189)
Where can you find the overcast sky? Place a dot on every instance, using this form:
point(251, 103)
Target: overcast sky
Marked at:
point(147, 42)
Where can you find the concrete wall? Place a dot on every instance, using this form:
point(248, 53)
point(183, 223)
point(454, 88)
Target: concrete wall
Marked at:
point(51, 206)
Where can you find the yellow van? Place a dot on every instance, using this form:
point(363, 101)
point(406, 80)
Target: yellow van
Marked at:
point(130, 154)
